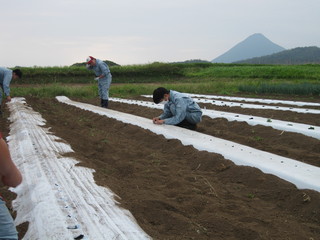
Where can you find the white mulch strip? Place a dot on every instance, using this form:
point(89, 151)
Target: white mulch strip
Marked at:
point(59, 199)
point(260, 100)
point(305, 129)
point(252, 106)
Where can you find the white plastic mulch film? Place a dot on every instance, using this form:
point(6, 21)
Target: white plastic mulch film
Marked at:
point(305, 129)
point(57, 198)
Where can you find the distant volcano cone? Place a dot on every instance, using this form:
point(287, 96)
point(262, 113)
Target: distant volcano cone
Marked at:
point(256, 45)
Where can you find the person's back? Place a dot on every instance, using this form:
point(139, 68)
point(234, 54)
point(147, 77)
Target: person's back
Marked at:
point(192, 106)
point(11, 177)
point(3, 72)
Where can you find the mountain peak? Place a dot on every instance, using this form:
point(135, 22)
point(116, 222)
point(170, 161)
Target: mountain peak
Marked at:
point(256, 45)
point(257, 35)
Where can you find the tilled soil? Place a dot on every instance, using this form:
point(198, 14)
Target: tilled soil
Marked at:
point(178, 192)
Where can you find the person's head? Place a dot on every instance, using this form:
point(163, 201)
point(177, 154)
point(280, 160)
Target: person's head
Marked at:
point(91, 61)
point(160, 94)
point(16, 73)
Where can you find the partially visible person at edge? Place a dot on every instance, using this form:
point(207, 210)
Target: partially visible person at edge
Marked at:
point(6, 75)
point(11, 177)
point(179, 109)
point(103, 76)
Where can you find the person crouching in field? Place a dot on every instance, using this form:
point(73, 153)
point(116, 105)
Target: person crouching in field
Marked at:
point(10, 176)
point(6, 75)
point(103, 76)
point(179, 109)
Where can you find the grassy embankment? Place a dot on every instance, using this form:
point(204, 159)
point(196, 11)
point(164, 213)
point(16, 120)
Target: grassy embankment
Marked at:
point(206, 78)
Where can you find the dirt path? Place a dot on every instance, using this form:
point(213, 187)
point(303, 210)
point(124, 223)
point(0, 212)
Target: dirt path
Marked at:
point(177, 192)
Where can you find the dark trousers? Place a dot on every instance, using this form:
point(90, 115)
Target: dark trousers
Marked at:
point(187, 125)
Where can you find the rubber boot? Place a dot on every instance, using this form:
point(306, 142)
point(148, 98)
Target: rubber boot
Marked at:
point(105, 103)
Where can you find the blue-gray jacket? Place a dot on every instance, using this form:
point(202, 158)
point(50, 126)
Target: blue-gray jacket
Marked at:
point(180, 107)
point(101, 68)
point(5, 79)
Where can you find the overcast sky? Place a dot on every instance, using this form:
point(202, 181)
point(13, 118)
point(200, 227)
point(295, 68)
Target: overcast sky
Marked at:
point(63, 32)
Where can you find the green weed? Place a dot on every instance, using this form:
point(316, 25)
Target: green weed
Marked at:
point(251, 196)
point(257, 138)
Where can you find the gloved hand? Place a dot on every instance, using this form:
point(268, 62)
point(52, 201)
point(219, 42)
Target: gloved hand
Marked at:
point(96, 78)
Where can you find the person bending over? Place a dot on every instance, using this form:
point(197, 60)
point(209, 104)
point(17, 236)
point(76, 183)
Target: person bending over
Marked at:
point(103, 76)
point(179, 109)
point(6, 75)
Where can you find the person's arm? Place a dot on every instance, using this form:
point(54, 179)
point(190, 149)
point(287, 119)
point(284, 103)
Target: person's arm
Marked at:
point(166, 112)
point(9, 173)
point(6, 84)
point(104, 69)
point(158, 121)
point(155, 119)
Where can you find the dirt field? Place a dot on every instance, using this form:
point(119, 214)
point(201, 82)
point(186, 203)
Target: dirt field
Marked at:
point(177, 192)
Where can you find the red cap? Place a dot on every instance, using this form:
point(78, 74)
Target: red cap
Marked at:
point(89, 59)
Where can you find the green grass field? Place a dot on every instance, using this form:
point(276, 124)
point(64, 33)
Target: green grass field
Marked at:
point(205, 78)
